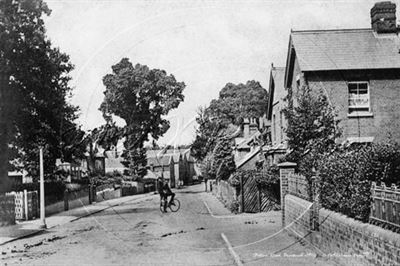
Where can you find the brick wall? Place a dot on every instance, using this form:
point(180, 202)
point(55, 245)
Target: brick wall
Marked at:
point(384, 97)
point(285, 169)
point(343, 239)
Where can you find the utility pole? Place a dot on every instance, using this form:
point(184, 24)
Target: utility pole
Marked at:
point(42, 207)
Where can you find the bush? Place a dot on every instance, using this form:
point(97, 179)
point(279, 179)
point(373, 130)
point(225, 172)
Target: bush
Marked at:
point(346, 176)
point(234, 206)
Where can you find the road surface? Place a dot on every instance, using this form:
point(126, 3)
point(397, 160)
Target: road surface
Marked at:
point(203, 232)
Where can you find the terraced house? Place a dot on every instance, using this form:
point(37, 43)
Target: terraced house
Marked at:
point(357, 69)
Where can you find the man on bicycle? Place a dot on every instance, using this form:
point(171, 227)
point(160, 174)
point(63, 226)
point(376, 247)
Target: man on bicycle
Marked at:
point(166, 190)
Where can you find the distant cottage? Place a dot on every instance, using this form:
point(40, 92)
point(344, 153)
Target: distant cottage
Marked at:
point(357, 69)
point(178, 166)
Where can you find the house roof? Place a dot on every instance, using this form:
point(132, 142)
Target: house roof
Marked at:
point(244, 144)
point(345, 49)
point(276, 88)
point(114, 163)
point(247, 158)
point(158, 161)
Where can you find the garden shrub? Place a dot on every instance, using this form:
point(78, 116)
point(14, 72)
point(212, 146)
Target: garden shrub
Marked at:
point(346, 176)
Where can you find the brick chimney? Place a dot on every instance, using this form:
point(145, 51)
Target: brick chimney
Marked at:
point(383, 17)
point(253, 127)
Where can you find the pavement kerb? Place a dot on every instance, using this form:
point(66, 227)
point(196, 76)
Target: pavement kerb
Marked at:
point(75, 219)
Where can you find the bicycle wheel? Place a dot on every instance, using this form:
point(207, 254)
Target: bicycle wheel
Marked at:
point(176, 206)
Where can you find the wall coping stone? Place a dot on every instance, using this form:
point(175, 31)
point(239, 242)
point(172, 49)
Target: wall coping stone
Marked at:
point(287, 165)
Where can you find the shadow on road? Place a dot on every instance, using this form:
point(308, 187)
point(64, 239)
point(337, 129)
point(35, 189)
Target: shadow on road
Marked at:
point(112, 211)
point(189, 192)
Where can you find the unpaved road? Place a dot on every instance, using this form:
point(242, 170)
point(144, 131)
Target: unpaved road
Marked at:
point(139, 234)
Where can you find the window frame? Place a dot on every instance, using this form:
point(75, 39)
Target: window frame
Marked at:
point(354, 109)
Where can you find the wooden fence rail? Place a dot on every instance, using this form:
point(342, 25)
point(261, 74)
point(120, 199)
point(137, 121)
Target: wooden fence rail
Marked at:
point(385, 210)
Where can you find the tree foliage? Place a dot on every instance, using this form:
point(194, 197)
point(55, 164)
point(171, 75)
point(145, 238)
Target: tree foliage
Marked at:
point(223, 163)
point(235, 102)
point(142, 97)
point(312, 128)
point(34, 90)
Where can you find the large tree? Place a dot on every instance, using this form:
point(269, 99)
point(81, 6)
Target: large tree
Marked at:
point(33, 90)
point(142, 97)
point(235, 102)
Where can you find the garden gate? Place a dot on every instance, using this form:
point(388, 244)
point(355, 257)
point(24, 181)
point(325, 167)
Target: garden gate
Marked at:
point(255, 198)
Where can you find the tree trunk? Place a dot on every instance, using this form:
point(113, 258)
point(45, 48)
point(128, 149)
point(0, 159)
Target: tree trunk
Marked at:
point(5, 182)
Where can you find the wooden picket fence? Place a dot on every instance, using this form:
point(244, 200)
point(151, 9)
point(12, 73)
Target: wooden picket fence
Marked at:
point(385, 209)
point(26, 204)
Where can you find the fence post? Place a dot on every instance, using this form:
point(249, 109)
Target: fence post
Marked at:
point(285, 169)
point(241, 193)
point(26, 204)
point(66, 207)
point(259, 198)
point(316, 203)
point(90, 193)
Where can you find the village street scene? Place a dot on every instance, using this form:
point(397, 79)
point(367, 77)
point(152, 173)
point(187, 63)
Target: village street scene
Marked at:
point(199, 132)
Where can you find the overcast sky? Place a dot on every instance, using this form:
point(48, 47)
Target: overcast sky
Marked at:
point(203, 43)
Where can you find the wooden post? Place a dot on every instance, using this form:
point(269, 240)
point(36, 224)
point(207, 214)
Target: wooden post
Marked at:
point(66, 206)
point(315, 208)
point(242, 192)
point(26, 204)
point(259, 198)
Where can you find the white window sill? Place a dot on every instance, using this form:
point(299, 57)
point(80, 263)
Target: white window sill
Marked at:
point(360, 114)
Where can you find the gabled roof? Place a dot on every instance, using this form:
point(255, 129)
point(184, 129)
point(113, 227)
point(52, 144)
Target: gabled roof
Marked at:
point(248, 157)
point(276, 88)
point(347, 49)
point(159, 161)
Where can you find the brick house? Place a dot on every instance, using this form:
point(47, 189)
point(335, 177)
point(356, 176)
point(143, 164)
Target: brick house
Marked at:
point(357, 69)
point(278, 123)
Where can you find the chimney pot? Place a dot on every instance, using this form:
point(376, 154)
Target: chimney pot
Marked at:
point(383, 17)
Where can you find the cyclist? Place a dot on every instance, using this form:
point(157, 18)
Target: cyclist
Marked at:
point(166, 193)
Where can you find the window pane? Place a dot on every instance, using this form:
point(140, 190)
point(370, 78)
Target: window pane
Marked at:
point(358, 96)
point(362, 86)
point(352, 87)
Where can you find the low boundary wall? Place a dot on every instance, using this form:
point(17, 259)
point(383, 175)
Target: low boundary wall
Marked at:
point(341, 238)
point(225, 193)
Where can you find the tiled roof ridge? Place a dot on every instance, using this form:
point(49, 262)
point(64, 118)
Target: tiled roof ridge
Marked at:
point(331, 30)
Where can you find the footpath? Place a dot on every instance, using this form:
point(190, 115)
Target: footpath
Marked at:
point(30, 228)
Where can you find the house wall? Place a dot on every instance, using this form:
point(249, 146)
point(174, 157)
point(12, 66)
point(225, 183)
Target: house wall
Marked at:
point(384, 87)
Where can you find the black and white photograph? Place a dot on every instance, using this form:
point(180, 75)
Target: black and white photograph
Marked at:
point(199, 132)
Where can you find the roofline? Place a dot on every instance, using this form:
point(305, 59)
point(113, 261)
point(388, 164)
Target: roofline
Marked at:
point(331, 30)
point(245, 160)
point(289, 62)
point(270, 95)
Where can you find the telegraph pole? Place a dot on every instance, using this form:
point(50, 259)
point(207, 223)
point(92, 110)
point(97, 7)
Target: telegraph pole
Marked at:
point(42, 207)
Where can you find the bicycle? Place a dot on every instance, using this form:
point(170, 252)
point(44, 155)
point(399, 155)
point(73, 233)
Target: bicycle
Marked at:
point(173, 206)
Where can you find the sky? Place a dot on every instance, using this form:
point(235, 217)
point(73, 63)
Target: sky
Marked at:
point(205, 44)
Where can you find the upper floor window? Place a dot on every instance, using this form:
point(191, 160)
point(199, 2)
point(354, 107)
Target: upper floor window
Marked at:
point(358, 97)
